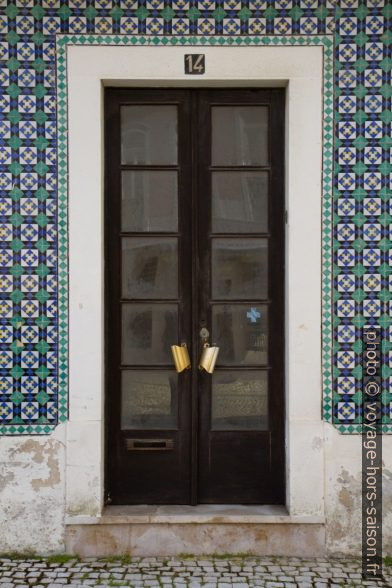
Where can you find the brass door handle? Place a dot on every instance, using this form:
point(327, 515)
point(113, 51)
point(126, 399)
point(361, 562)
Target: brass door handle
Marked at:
point(181, 357)
point(208, 358)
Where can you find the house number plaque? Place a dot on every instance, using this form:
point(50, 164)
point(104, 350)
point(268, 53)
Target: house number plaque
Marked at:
point(195, 63)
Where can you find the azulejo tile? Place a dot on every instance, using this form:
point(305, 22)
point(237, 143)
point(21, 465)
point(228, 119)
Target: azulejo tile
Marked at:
point(346, 333)
point(346, 411)
point(347, 155)
point(346, 283)
point(347, 52)
point(206, 26)
point(348, 25)
point(257, 26)
point(308, 25)
point(374, 51)
point(372, 206)
point(346, 257)
point(345, 308)
point(347, 181)
point(373, 78)
point(29, 265)
point(372, 308)
point(282, 26)
point(231, 26)
point(372, 282)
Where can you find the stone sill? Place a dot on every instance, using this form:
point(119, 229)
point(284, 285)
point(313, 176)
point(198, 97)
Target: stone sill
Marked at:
point(200, 514)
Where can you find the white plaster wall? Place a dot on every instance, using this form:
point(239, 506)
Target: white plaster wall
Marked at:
point(32, 493)
point(300, 70)
point(343, 454)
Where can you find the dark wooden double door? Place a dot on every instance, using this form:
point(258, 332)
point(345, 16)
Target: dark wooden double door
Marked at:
point(194, 223)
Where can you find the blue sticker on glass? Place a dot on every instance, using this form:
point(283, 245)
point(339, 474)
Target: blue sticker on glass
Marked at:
point(253, 315)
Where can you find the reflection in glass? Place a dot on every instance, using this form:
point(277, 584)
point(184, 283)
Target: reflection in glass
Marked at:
point(239, 401)
point(239, 135)
point(239, 268)
point(149, 267)
point(149, 201)
point(149, 135)
point(239, 202)
point(148, 331)
point(149, 400)
point(241, 332)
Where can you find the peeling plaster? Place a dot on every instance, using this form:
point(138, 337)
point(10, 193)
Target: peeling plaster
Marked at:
point(32, 472)
point(31, 446)
point(42, 453)
point(345, 498)
point(54, 474)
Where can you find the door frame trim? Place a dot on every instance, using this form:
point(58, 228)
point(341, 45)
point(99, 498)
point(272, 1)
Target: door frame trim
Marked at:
point(300, 70)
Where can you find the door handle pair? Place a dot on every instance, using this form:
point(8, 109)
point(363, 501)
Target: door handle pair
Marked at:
point(207, 361)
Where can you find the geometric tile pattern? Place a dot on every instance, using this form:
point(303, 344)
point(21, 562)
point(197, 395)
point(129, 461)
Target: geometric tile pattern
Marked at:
point(362, 201)
point(33, 247)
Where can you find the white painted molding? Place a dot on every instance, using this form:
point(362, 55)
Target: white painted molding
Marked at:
point(300, 70)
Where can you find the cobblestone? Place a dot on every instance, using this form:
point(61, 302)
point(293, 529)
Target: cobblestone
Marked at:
point(188, 572)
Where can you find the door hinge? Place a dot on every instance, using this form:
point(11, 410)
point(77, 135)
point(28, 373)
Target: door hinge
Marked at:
point(108, 497)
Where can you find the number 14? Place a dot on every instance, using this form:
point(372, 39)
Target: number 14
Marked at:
point(195, 64)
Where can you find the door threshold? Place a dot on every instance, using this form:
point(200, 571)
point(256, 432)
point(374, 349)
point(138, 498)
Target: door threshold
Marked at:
point(200, 514)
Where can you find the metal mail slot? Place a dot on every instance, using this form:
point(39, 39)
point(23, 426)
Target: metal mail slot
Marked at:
point(149, 444)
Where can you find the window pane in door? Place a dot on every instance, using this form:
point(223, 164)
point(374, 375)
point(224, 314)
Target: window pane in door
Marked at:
point(241, 333)
point(149, 135)
point(239, 401)
point(148, 399)
point(149, 267)
point(239, 202)
point(239, 268)
point(239, 135)
point(149, 201)
point(148, 331)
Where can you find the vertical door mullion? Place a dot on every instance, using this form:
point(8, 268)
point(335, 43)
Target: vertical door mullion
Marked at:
point(186, 272)
point(276, 279)
point(203, 268)
point(194, 207)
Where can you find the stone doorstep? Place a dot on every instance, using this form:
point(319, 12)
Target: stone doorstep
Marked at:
point(168, 531)
point(200, 514)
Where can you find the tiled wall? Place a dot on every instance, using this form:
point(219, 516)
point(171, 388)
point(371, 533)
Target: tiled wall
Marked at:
point(30, 315)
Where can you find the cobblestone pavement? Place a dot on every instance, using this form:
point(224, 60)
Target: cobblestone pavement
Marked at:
point(209, 572)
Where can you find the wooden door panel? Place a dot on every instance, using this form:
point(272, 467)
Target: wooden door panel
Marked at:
point(236, 468)
point(241, 277)
point(148, 303)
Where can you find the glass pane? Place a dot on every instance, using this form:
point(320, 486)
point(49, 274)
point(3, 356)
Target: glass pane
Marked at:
point(239, 135)
point(149, 267)
point(149, 400)
point(239, 202)
point(239, 401)
point(149, 135)
point(241, 333)
point(239, 268)
point(149, 201)
point(148, 331)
